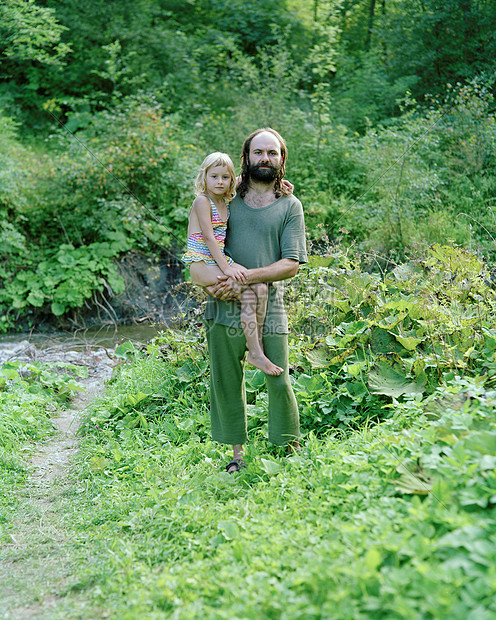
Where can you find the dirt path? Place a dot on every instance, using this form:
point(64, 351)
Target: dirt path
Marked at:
point(35, 565)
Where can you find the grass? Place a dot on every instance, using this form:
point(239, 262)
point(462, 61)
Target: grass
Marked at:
point(342, 530)
point(24, 420)
point(160, 530)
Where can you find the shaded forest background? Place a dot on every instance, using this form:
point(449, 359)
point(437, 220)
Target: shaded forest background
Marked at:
point(107, 109)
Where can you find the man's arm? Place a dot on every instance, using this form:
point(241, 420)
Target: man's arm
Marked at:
point(280, 270)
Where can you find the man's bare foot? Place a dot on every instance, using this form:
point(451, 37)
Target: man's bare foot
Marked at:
point(263, 363)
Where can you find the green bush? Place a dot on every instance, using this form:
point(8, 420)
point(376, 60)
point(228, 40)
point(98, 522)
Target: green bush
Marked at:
point(125, 172)
point(71, 277)
point(125, 179)
point(123, 182)
point(359, 341)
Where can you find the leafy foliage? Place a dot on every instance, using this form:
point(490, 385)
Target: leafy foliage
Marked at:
point(30, 394)
point(391, 138)
point(67, 281)
point(30, 32)
point(360, 341)
point(69, 215)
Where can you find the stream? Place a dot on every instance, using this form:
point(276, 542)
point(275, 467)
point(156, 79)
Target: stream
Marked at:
point(92, 348)
point(76, 347)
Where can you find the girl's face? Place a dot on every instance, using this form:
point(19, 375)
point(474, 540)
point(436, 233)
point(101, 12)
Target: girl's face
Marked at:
point(217, 180)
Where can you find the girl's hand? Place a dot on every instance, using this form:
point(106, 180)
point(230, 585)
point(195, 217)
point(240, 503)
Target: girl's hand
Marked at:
point(236, 273)
point(287, 185)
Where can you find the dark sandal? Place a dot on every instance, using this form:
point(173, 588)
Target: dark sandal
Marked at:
point(237, 464)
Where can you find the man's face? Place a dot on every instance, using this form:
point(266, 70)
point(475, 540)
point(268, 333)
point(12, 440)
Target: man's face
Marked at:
point(265, 157)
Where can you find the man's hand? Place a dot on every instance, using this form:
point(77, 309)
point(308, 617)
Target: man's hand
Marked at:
point(226, 289)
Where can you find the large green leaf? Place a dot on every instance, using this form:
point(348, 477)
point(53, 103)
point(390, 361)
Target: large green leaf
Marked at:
point(405, 272)
point(191, 370)
point(409, 342)
point(391, 320)
point(482, 441)
point(270, 467)
point(320, 261)
point(318, 357)
point(350, 331)
point(412, 480)
point(255, 379)
point(307, 384)
point(58, 308)
point(388, 378)
point(230, 529)
point(382, 341)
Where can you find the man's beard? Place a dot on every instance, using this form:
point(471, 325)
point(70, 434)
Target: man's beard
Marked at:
point(267, 174)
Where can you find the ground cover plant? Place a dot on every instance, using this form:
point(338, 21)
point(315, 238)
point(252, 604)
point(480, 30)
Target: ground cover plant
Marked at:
point(343, 530)
point(387, 512)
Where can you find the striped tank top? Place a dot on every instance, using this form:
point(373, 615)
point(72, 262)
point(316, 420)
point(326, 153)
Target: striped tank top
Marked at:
point(198, 249)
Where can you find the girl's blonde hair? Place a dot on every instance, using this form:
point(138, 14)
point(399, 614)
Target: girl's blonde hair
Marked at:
point(216, 159)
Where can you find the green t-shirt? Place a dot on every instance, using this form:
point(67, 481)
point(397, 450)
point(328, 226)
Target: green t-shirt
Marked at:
point(257, 238)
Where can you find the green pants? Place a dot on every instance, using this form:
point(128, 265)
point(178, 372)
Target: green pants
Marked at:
point(227, 348)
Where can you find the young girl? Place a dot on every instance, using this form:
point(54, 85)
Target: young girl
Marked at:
point(215, 186)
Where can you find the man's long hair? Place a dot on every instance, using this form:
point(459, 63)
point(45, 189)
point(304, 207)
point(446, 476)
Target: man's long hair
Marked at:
point(279, 190)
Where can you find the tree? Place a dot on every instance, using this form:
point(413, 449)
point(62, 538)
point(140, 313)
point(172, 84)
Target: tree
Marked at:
point(439, 42)
point(30, 33)
point(30, 41)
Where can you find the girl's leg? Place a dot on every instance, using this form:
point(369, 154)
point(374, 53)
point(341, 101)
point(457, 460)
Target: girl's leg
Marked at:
point(262, 291)
point(253, 307)
point(203, 274)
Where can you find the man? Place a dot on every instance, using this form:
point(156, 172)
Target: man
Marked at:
point(266, 234)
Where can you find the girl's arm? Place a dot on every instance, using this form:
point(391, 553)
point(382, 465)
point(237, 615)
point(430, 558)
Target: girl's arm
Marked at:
point(204, 213)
